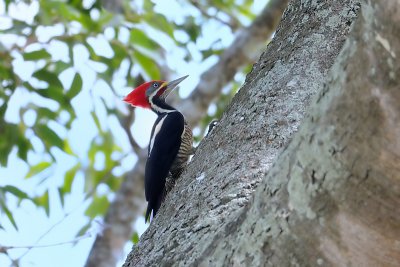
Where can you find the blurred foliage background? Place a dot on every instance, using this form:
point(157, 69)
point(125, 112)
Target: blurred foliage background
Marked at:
point(65, 65)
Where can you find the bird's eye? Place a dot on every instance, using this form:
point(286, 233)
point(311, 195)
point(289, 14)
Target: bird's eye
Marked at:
point(155, 85)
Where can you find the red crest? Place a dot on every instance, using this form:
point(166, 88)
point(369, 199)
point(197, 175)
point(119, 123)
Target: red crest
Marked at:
point(138, 96)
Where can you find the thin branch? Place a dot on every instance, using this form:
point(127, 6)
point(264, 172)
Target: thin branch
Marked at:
point(29, 247)
point(43, 235)
point(66, 215)
point(4, 251)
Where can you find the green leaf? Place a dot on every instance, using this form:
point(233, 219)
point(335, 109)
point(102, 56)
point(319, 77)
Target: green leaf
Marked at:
point(135, 238)
point(4, 155)
point(60, 66)
point(120, 53)
point(41, 166)
point(9, 133)
point(159, 22)
point(43, 201)
point(15, 191)
point(8, 214)
point(147, 65)
point(69, 178)
point(148, 6)
point(48, 136)
point(96, 121)
point(105, 17)
point(61, 194)
point(92, 53)
point(211, 52)
point(23, 147)
point(68, 149)
point(114, 183)
point(36, 55)
point(49, 77)
point(83, 230)
point(141, 39)
point(99, 206)
point(245, 11)
point(52, 93)
point(7, 2)
point(191, 28)
point(45, 113)
point(76, 86)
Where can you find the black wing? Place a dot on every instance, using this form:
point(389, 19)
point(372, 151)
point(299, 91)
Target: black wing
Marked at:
point(164, 146)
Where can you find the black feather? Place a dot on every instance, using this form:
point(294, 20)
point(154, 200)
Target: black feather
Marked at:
point(162, 154)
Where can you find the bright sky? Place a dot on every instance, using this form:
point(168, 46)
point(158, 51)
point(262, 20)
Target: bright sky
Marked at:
point(66, 222)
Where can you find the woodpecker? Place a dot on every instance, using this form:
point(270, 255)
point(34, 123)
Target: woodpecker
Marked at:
point(170, 142)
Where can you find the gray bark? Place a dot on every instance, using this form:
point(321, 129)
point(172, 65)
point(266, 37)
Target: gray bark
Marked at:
point(331, 198)
point(129, 202)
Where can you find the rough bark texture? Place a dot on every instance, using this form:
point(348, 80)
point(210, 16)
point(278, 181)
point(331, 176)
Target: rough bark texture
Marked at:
point(129, 203)
point(332, 198)
point(207, 220)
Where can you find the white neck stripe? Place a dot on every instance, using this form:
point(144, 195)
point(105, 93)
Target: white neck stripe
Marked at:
point(156, 131)
point(157, 108)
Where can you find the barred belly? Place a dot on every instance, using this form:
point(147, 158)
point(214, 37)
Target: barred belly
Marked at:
point(181, 159)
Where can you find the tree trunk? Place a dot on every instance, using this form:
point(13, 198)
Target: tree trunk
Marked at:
point(129, 202)
point(332, 197)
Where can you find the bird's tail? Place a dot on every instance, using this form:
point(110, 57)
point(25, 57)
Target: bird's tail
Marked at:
point(151, 207)
point(148, 212)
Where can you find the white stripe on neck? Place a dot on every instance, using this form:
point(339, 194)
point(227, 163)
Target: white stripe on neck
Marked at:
point(157, 108)
point(161, 110)
point(156, 131)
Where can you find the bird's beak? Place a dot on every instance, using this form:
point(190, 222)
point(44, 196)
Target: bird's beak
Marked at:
point(172, 85)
